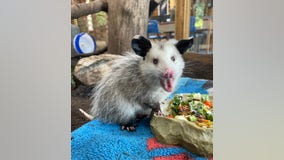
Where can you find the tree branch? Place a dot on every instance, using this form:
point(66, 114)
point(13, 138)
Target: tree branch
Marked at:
point(83, 9)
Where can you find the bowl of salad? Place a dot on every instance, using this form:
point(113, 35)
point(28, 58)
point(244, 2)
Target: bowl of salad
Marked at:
point(186, 120)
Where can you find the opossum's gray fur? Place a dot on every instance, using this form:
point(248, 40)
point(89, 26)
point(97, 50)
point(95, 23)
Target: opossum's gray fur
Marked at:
point(129, 89)
point(123, 91)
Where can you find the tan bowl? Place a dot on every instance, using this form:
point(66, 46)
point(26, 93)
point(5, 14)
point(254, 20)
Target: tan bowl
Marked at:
point(178, 131)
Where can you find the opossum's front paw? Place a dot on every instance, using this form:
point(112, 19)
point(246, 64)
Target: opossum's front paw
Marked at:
point(141, 116)
point(156, 107)
point(156, 110)
point(128, 127)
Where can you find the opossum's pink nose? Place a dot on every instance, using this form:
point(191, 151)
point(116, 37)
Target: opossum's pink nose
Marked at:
point(168, 81)
point(169, 73)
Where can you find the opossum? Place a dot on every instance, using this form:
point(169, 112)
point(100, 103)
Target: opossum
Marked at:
point(138, 81)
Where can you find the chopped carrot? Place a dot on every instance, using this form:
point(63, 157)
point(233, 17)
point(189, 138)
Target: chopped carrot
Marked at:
point(208, 103)
point(170, 116)
point(204, 120)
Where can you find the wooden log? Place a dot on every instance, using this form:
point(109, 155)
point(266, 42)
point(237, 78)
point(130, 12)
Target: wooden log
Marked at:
point(83, 9)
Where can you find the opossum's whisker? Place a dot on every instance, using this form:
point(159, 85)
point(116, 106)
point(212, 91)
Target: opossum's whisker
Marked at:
point(187, 72)
point(187, 69)
point(189, 64)
point(190, 72)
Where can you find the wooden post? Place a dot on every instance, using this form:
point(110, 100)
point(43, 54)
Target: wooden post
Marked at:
point(182, 19)
point(126, 19)
point(208, 38)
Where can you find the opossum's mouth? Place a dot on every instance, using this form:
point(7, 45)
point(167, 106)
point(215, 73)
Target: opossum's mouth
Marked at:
point(167, 84)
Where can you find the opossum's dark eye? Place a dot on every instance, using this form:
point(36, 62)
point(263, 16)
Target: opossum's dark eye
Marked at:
point(155, 61)
point(173, 58)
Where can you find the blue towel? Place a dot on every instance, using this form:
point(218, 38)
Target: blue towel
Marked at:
point(96, 140)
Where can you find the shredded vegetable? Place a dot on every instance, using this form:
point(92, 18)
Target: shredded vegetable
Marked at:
point(194, 107)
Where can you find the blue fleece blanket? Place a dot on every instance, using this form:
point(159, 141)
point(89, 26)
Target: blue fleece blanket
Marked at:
point(100, 141)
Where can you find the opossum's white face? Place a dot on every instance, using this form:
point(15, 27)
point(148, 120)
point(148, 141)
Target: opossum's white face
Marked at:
point(162, 62)
point(165, 61)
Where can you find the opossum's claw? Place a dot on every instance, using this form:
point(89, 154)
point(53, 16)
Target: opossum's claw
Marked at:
point(160, 113)
point(128, 128)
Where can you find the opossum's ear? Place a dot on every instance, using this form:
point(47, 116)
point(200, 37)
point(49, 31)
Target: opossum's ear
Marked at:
point(140, 45)
point(184, 44)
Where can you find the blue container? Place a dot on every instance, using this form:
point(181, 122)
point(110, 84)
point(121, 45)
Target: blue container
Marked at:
point(84, 43)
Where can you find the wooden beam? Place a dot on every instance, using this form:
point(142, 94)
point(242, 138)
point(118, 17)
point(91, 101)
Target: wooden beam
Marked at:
point(182, 19)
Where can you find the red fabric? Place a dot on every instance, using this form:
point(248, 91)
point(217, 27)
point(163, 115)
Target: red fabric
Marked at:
point(152, 143)
point(182, 156)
